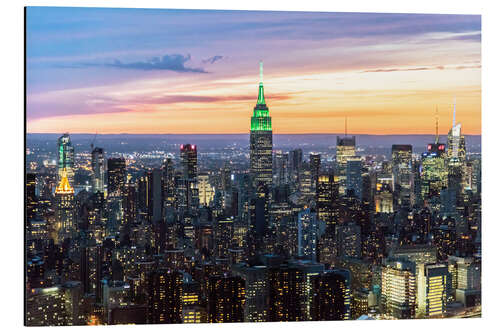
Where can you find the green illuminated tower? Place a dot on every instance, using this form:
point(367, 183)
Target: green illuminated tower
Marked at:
point(261, 141)
point(65, 158)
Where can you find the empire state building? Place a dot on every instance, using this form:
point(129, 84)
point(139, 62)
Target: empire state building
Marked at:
point(261, 141)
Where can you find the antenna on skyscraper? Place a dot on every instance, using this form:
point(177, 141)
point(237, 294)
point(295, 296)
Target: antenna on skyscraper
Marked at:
point(261, 71)
point(454, 109)
point(437, 125)
point(345, 126)
point(93, 140)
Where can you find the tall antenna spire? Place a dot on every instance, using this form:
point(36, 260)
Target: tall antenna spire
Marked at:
point(454, 109)
point(437, 126)
point(261, 99)
point(345, 126)
point(261, 72)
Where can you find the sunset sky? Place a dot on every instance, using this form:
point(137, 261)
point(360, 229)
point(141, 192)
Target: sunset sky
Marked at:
point(185, 71)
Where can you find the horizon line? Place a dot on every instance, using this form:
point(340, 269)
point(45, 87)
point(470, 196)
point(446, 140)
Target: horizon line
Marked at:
point(338, 134)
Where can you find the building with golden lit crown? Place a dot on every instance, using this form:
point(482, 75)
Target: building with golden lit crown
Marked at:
point(65, 207)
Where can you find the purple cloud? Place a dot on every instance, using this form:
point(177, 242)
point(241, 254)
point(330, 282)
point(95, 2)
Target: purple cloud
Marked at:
point(213, 59)
point(171, 62)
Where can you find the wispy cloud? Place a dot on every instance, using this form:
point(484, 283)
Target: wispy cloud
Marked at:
point(213, 59)
point(174, 99)
point(385, 70)
point(426, 68)
point(468, 37)
point(170, 62)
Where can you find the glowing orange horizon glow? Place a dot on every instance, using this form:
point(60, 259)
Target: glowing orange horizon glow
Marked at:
point(303, 104)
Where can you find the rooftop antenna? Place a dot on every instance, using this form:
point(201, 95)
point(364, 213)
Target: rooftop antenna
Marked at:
point(345, 126)
point(93, 140)
point(454, 109)
point(437, 125)
point(261, 71)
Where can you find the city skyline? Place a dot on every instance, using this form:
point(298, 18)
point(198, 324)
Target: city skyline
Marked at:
point(110, 83)
point(254, 227)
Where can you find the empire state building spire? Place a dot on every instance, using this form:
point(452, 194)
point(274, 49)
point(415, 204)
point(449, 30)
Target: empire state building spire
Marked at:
point(261, 99)
point(261, 120)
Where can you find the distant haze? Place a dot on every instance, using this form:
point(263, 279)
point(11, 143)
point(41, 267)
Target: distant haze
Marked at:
point(138, 142)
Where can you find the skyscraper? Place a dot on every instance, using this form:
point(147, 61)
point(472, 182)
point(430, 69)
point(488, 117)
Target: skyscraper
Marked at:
point(261, 141)
point(65, 158)
point(349, 240)
point(354, 181)
point(308, 230)
point(189, 161)
point(326, 195)
point(168, 181)
point(456, 157)
point(281, 168)
point(116, 191)
point(226, 299)
point(188, 189)
point(434, 284)
point(98, 170)
point(65, 207)
point(402, 174)
point(164, 297)
point(291, 290)
point(155, 207)
point(46, 307)
point(332, 298)
point(256, 291)
point(205, 190)
point(346, 148)
point(399, 289)
point(456, 142)
point(434, 174)
point(116, 177)
point(315, 165)
point(31, 198)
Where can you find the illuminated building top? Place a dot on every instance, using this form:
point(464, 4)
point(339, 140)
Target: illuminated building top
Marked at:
point(261, 121)
point(64, 187)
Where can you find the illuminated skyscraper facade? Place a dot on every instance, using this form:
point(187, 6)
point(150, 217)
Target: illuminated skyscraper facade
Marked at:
point(261, 141)
point(188, 189)
point(399, 289)
point(456, 157)
point(402, 174)
point(326, 195)
point(65, 207)
point(256, 291)
point(456, 142)
point(434, 286)
point(346, 148)
point(116, 177)
point(434, 174)
point(168, 181)
point(308, 232)
point(65, 158)
point(354, 182)
point(46, 307)
point(315, 166)
point(98, 170)
point(226, 299)
point(205, 190)
point(164, 297)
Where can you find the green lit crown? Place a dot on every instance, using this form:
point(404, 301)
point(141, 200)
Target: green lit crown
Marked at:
point(261, 121)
